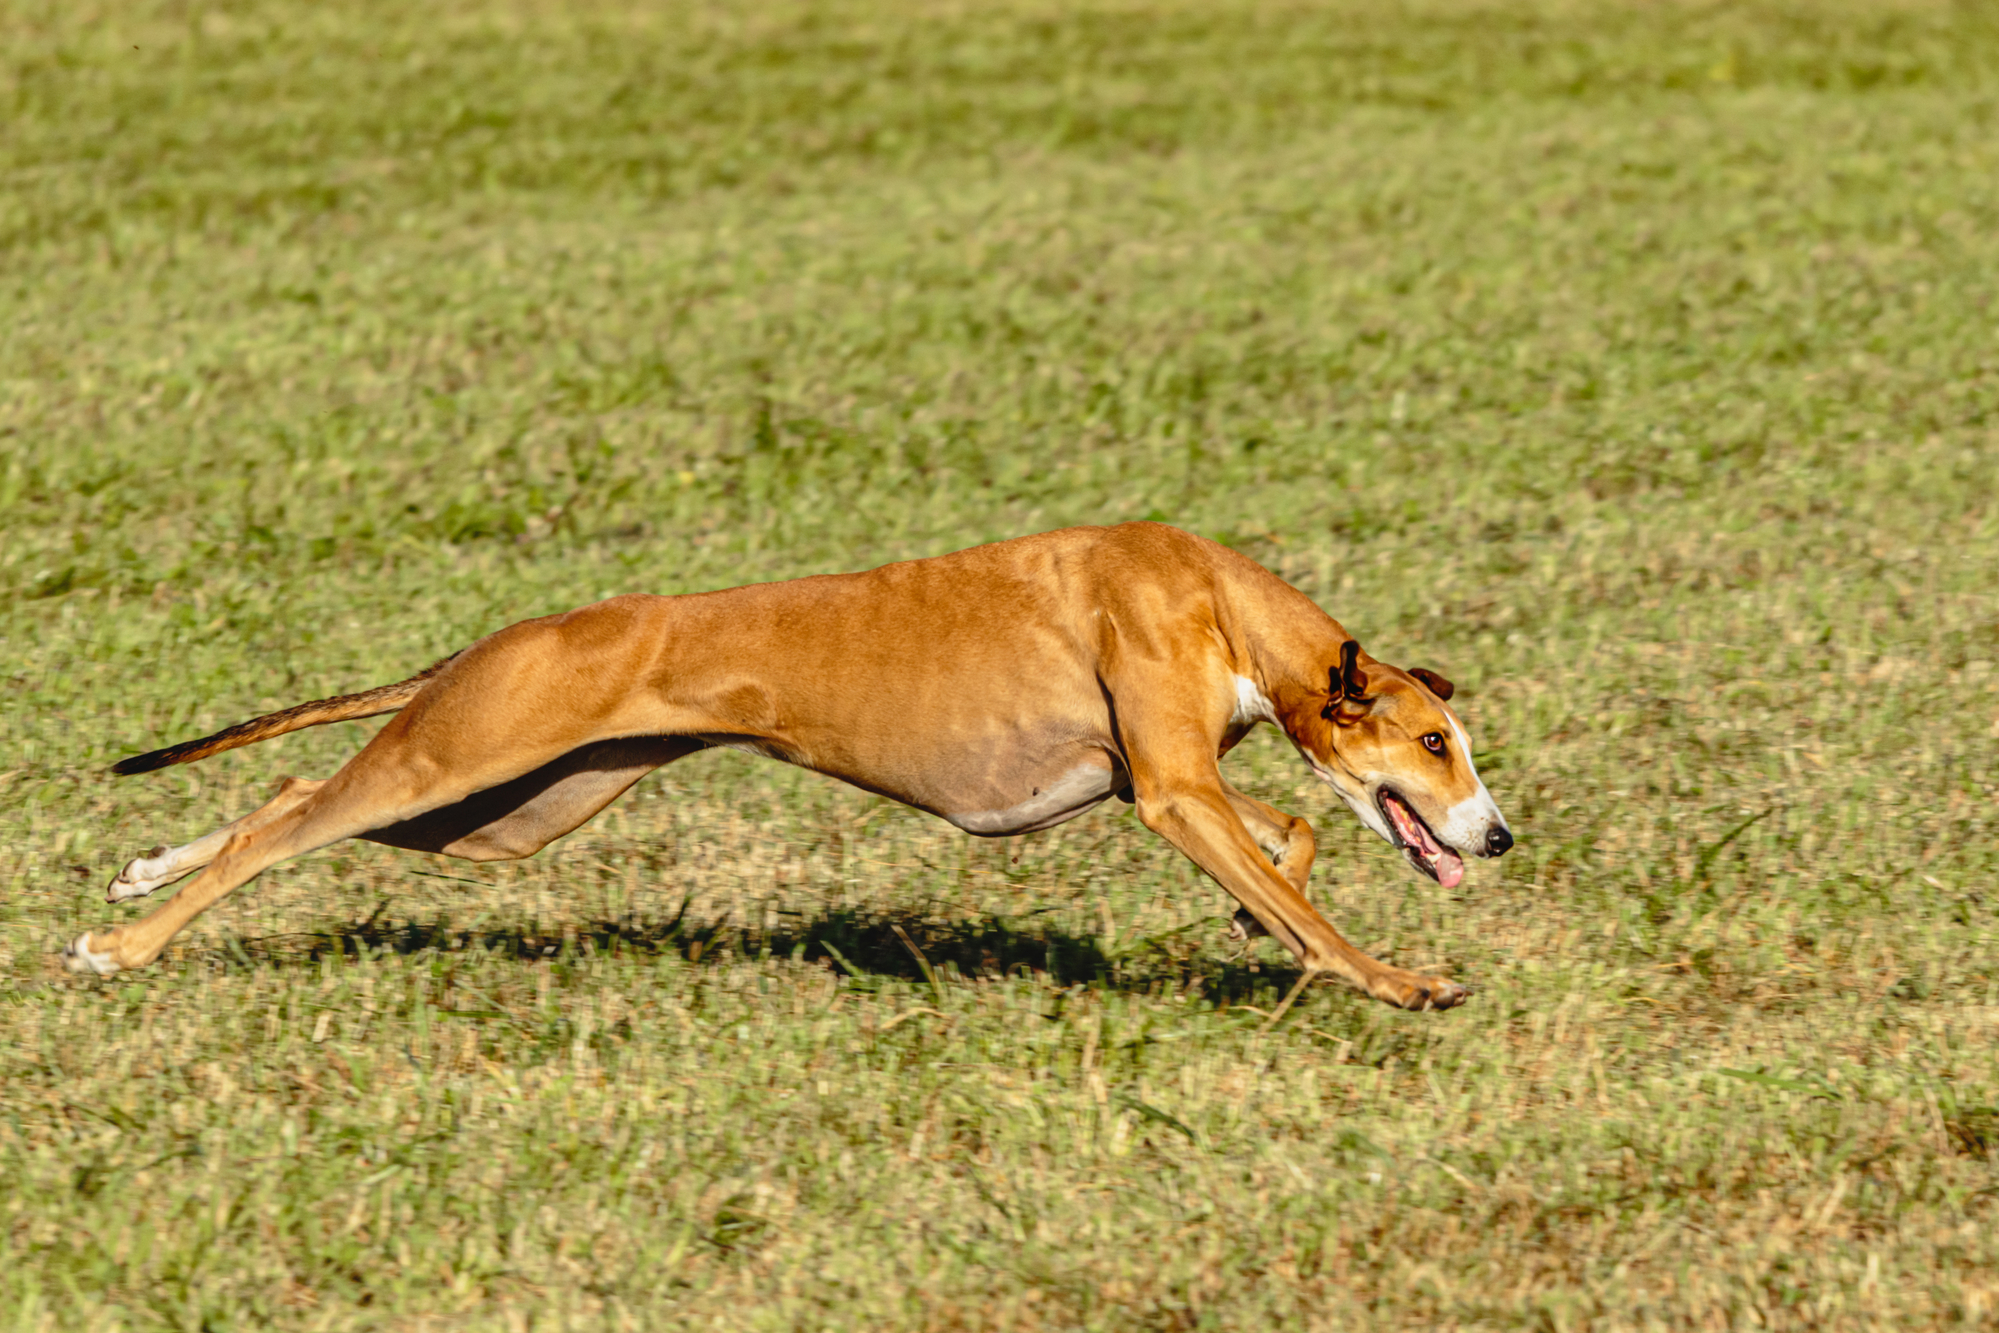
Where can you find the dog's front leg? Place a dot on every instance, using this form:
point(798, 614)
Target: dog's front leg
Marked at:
point(1287, 840)
point(1198, 819)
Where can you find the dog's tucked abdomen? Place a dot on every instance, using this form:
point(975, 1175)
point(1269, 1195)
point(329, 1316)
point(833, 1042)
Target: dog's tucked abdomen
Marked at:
point(1052, 795)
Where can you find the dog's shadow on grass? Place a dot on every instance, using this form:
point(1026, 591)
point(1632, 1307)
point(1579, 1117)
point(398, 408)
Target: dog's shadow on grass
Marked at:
point(867, 947)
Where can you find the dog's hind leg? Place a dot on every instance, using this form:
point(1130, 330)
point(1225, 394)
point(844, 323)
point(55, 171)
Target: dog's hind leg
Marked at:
point(512, 820)
point(519, 818)
point(163, 865)
point(517, 702)
point(379, 788)
point(384, 785)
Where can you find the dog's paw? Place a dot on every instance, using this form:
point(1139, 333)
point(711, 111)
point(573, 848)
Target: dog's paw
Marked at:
point(1436, 993)
point(80, 958)
point(141, 876)
point(1244, 927)
point(1408, 991)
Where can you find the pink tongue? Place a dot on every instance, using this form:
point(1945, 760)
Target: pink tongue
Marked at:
point(1450, 867)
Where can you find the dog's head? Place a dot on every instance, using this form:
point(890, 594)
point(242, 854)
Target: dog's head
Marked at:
point(1388, 742)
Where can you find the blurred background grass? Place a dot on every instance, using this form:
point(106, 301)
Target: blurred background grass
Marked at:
point(1635, 365)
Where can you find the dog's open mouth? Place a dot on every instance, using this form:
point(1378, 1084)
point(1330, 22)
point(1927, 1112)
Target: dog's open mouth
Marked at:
point(1420, 845)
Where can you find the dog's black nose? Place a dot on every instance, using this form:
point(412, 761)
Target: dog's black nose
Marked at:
point(1498, 842)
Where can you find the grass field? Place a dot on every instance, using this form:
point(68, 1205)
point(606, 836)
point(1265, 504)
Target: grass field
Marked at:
point(1636, 365)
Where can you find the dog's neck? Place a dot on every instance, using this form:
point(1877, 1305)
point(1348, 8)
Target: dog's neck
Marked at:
point(1288, 647)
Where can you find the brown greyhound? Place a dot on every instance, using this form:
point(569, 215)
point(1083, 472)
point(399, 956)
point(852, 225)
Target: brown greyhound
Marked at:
point(1006, 688)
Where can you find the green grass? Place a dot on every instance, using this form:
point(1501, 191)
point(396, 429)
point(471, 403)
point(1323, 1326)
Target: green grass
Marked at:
point(1634, 365)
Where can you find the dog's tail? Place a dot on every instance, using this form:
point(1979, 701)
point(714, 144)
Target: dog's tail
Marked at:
point(368, 703)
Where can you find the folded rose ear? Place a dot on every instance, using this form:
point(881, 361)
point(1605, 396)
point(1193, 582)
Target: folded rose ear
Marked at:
point(1440, 687)
point(1347, 685)
point(1352, 683)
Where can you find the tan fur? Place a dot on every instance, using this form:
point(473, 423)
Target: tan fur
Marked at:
point(1005, 688)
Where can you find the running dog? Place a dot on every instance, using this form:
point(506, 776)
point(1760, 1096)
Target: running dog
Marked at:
point(1006, 688)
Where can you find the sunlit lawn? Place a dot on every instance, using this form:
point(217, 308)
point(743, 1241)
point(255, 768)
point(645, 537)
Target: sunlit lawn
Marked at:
point(1636, 366)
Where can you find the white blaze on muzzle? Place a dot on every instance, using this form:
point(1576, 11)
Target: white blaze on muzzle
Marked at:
point(1468, 826)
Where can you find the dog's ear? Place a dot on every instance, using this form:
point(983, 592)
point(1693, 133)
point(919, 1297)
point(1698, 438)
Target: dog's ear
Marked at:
point(1348, 686)
point(1352, 680)
point(1440, 687)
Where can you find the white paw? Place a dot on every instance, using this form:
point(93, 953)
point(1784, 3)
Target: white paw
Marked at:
point(128, 886)
point(79, 958)
point(141, 876)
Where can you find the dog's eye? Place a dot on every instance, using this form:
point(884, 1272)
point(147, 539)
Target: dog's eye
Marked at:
point(1434, 742)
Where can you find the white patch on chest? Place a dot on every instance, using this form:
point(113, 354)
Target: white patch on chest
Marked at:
point(1066, 797)
point(1251, 705)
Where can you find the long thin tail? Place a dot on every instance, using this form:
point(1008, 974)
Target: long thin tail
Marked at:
point(368, 703)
